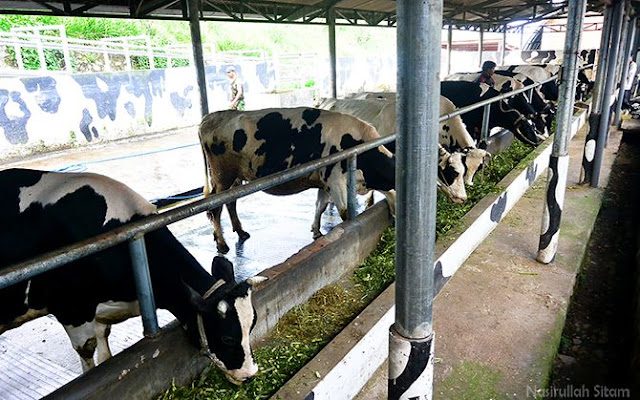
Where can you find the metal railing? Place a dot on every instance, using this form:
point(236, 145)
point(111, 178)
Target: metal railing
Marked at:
point(134, 232)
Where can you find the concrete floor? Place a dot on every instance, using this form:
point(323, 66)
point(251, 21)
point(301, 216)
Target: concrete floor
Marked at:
point(37, 357)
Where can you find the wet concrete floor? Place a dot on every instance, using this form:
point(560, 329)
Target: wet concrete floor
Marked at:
point(155, 167)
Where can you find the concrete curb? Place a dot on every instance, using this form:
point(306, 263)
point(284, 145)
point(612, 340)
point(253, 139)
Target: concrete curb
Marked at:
point(353, 357)
point(153, 364)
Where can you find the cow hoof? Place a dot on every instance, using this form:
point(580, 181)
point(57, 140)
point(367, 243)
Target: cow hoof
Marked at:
point(242, 235)
point(317, 235)
point(223, 248)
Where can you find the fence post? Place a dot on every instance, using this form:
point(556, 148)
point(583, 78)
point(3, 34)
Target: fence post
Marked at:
point(486, 114)
point(481, 45)
point(142, 280)
point(65, 51)
point(625, 71)
point(603, 126)
point(352, 201)
point(40, 48)
point(559, 160)
point(152, 63)
point(193, 7)
point(411, 337)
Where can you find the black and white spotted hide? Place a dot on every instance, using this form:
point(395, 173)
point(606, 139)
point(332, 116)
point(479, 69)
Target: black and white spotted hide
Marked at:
point(552, 214)
point(590, 144)
point(410, 367)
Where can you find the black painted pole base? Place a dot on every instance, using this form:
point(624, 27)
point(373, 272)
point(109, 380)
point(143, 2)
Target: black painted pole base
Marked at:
point(410, 367)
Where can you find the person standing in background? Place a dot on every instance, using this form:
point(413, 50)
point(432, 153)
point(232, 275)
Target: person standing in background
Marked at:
point(488, 69)
point(237, 91)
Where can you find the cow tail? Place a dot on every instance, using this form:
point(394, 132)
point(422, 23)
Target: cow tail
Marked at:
point(206, 189)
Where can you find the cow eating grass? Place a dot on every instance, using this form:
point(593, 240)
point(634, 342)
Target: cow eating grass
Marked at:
point(43, 211)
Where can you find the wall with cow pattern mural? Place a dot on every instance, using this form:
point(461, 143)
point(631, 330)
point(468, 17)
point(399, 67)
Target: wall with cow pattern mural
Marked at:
point(39, 113)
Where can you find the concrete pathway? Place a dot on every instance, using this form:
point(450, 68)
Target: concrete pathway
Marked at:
point(499, 320)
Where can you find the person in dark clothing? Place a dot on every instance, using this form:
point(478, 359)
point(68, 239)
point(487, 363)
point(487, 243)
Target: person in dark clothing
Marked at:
point(488, 69)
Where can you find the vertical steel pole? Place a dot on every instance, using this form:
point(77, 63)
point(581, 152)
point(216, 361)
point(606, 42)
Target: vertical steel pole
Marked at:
point(559, 160)
point(481, 45)
point(449, 48)
point(193, 9)
point(333, 71)
point(352, 201)
point(411, 337)
point(625, 70)
point(522, 37)
point(596, 108)
point(603, 126)
point(142, 280)
point(504, 44)
point(486, 114)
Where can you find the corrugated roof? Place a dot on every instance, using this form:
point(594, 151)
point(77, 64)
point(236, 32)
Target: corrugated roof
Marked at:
point(460, 13)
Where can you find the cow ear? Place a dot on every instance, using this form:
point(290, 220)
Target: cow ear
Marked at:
point(195, 299)
point(221, 268)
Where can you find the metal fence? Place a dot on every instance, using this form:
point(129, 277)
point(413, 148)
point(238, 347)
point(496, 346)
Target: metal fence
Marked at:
point(134, 232)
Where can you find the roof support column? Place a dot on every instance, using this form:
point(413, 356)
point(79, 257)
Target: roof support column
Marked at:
point(449, 48)
point(586, 172)
point(607, 92)
point(625, 70)
point(481, 45)
point(559, 160)
point(333, 74)
point(193, 9)
point(504, 45)
point(411, 337)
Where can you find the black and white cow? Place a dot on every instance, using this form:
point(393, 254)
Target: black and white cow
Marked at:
point(463, 93)
point(536, 73)
point(43, 211)
point(248, 145)
point(381, 113)
point(505, 84)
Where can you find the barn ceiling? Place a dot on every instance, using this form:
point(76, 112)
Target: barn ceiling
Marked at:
point(465, 14)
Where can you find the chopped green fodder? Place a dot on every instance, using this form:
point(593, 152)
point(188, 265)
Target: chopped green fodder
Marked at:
point(306, 329)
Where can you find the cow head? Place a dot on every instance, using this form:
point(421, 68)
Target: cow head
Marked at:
point(225, 317)
point(513, 120)
point(473, 160)
point(451, 173)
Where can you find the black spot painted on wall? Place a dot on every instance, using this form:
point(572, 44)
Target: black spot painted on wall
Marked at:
point(555, 212)
point(498, 208)
point(146, 84)
point(105, 100)
point(266, 74)
point(15, 127)
point(94, 131)
point(438, 279)
point(239, 140)
point(218, 148)
point(47, 95)
point(131, 110)
point(282, 140)
point(310, 396)
point(310, 115)
point(532, 170)
point(181, 102)
point(87, 119)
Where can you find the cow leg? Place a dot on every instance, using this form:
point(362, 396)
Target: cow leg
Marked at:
point(214, 217)
point(321, 204)
point(102, 337)
point(83, 340)
point(235, 221)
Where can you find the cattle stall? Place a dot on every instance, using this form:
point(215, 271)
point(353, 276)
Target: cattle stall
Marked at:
point(214, 202)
